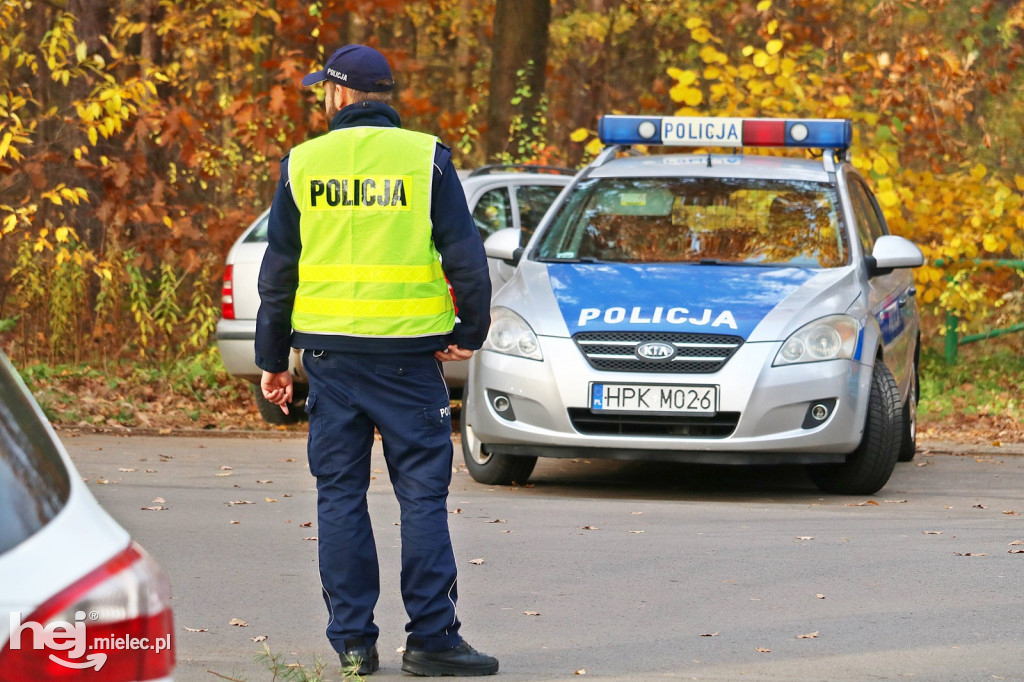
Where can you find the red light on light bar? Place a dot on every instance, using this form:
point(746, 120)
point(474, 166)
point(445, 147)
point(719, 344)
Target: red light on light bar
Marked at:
point(764, 133)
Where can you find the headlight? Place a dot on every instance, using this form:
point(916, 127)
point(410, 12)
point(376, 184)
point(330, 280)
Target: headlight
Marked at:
point(511, 335)
point(829, 338)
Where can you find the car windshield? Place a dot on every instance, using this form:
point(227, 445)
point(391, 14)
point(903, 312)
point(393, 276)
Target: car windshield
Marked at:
point(34, 483)
point(699, 220)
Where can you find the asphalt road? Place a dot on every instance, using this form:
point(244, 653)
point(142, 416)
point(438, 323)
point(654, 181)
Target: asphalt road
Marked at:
point(615, 571)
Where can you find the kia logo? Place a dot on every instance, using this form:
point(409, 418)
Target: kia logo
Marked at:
point(656, 351)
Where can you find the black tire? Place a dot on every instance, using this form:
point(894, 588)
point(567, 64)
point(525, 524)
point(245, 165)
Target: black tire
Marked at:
point(492, 469)
point(869, 467)
point(908, 444)
point(272, 414)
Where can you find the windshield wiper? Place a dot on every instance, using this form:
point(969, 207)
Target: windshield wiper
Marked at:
point(582, 259)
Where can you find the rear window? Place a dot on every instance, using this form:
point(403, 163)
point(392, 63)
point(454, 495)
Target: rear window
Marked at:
point(693, 220)
point(259, 233)
point(34, 483)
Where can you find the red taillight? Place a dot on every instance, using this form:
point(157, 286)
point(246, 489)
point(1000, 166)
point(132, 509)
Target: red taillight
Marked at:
point(116, 621)
point(227, 298)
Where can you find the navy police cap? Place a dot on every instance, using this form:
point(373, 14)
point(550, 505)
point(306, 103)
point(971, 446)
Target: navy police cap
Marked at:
point(358, 67)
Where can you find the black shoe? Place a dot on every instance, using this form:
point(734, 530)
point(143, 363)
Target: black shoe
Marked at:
point(463, 660)
point(357, 653)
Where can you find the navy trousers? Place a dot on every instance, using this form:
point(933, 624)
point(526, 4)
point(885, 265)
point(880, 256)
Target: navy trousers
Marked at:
point(406, 398)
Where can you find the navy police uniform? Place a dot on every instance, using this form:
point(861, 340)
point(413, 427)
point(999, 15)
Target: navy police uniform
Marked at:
point(393, 383)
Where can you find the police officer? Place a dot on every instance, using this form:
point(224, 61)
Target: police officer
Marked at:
point(367, 222)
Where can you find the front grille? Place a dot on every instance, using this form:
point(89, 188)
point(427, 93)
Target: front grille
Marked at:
point(695, 353)
point(721, 425)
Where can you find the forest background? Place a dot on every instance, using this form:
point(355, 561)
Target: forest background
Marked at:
point(139, 138)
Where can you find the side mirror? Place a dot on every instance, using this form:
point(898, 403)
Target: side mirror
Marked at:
point(892, 253)
point(504, 245)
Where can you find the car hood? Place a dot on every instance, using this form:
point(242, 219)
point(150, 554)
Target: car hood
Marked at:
point(755, 303)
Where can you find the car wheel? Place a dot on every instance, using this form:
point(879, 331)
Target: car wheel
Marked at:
point(272, 414)
point(908, 445)
point(490, 468)
point(869, 467)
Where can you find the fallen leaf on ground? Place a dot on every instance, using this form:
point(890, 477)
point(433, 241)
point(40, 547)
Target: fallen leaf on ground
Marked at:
point(1015, 551)
point(224, 473)
point(804, 537)
point(809, 635)
point(932, 532)
point(531, 613)
point(155, 508)
point(762, 650)
point(581, 671)
point(896, 501)
point(223, 468)
point(455, 511)
point(710, 634)
point(591, 528)
point(968, 554)
point(1010, 512)
point(259, 638)
point(127, 471)
point(236, 502)
point(1017, 542)
point(476, 562)
point(498, 521)
point(979, 506)
point(235, 523)
point(188, 629)
point(239, 623)
point(307, 524)
point(819, 596)
point(313, 537)
point(270, 499)
point(636, 531)
point(265, 482)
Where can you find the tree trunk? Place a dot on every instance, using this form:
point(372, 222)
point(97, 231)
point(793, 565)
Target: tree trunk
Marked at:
point(520, 44)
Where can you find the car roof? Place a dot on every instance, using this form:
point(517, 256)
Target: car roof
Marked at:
point(515, 178)
point(713, 166)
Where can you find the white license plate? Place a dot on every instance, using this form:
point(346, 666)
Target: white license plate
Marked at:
point(653, 398)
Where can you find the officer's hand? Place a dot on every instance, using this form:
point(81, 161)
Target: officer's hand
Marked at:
point(453, 352)
point(277, 388)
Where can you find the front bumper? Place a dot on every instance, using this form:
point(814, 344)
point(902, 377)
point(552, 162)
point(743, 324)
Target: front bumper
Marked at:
point(761, 417)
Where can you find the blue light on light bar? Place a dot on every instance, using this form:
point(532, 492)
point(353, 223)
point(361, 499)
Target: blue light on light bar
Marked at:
point(693, 131)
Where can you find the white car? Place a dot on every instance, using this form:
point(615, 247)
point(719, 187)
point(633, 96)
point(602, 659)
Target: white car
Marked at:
point(500, 197)
point(714, 308)
point(79, 600)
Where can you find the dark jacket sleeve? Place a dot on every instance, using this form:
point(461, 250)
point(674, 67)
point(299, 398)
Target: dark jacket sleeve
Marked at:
point(462, 253)
point(279, 278)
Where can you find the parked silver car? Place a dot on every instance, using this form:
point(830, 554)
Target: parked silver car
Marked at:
point(79, 600)
point(501, 197)
point(732, 309)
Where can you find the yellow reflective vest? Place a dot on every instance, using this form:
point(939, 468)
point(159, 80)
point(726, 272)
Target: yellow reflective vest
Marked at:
point(368, 265)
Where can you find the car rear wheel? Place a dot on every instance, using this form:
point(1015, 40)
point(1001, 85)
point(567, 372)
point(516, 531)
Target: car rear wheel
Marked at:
point(869, 467)
point(272, 414)
point(490, 468)
point(908, 446)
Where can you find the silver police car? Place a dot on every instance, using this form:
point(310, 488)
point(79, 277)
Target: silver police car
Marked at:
point(712, 308)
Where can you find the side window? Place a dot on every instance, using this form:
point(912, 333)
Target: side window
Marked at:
point(34, 483)
point(870, 225)
point(493, 212)
point(534, 201)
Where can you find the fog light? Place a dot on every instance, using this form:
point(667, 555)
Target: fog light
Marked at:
point(818, 412)
point(501, 404)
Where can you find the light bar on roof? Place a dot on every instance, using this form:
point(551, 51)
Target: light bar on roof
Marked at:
point(693, 131)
